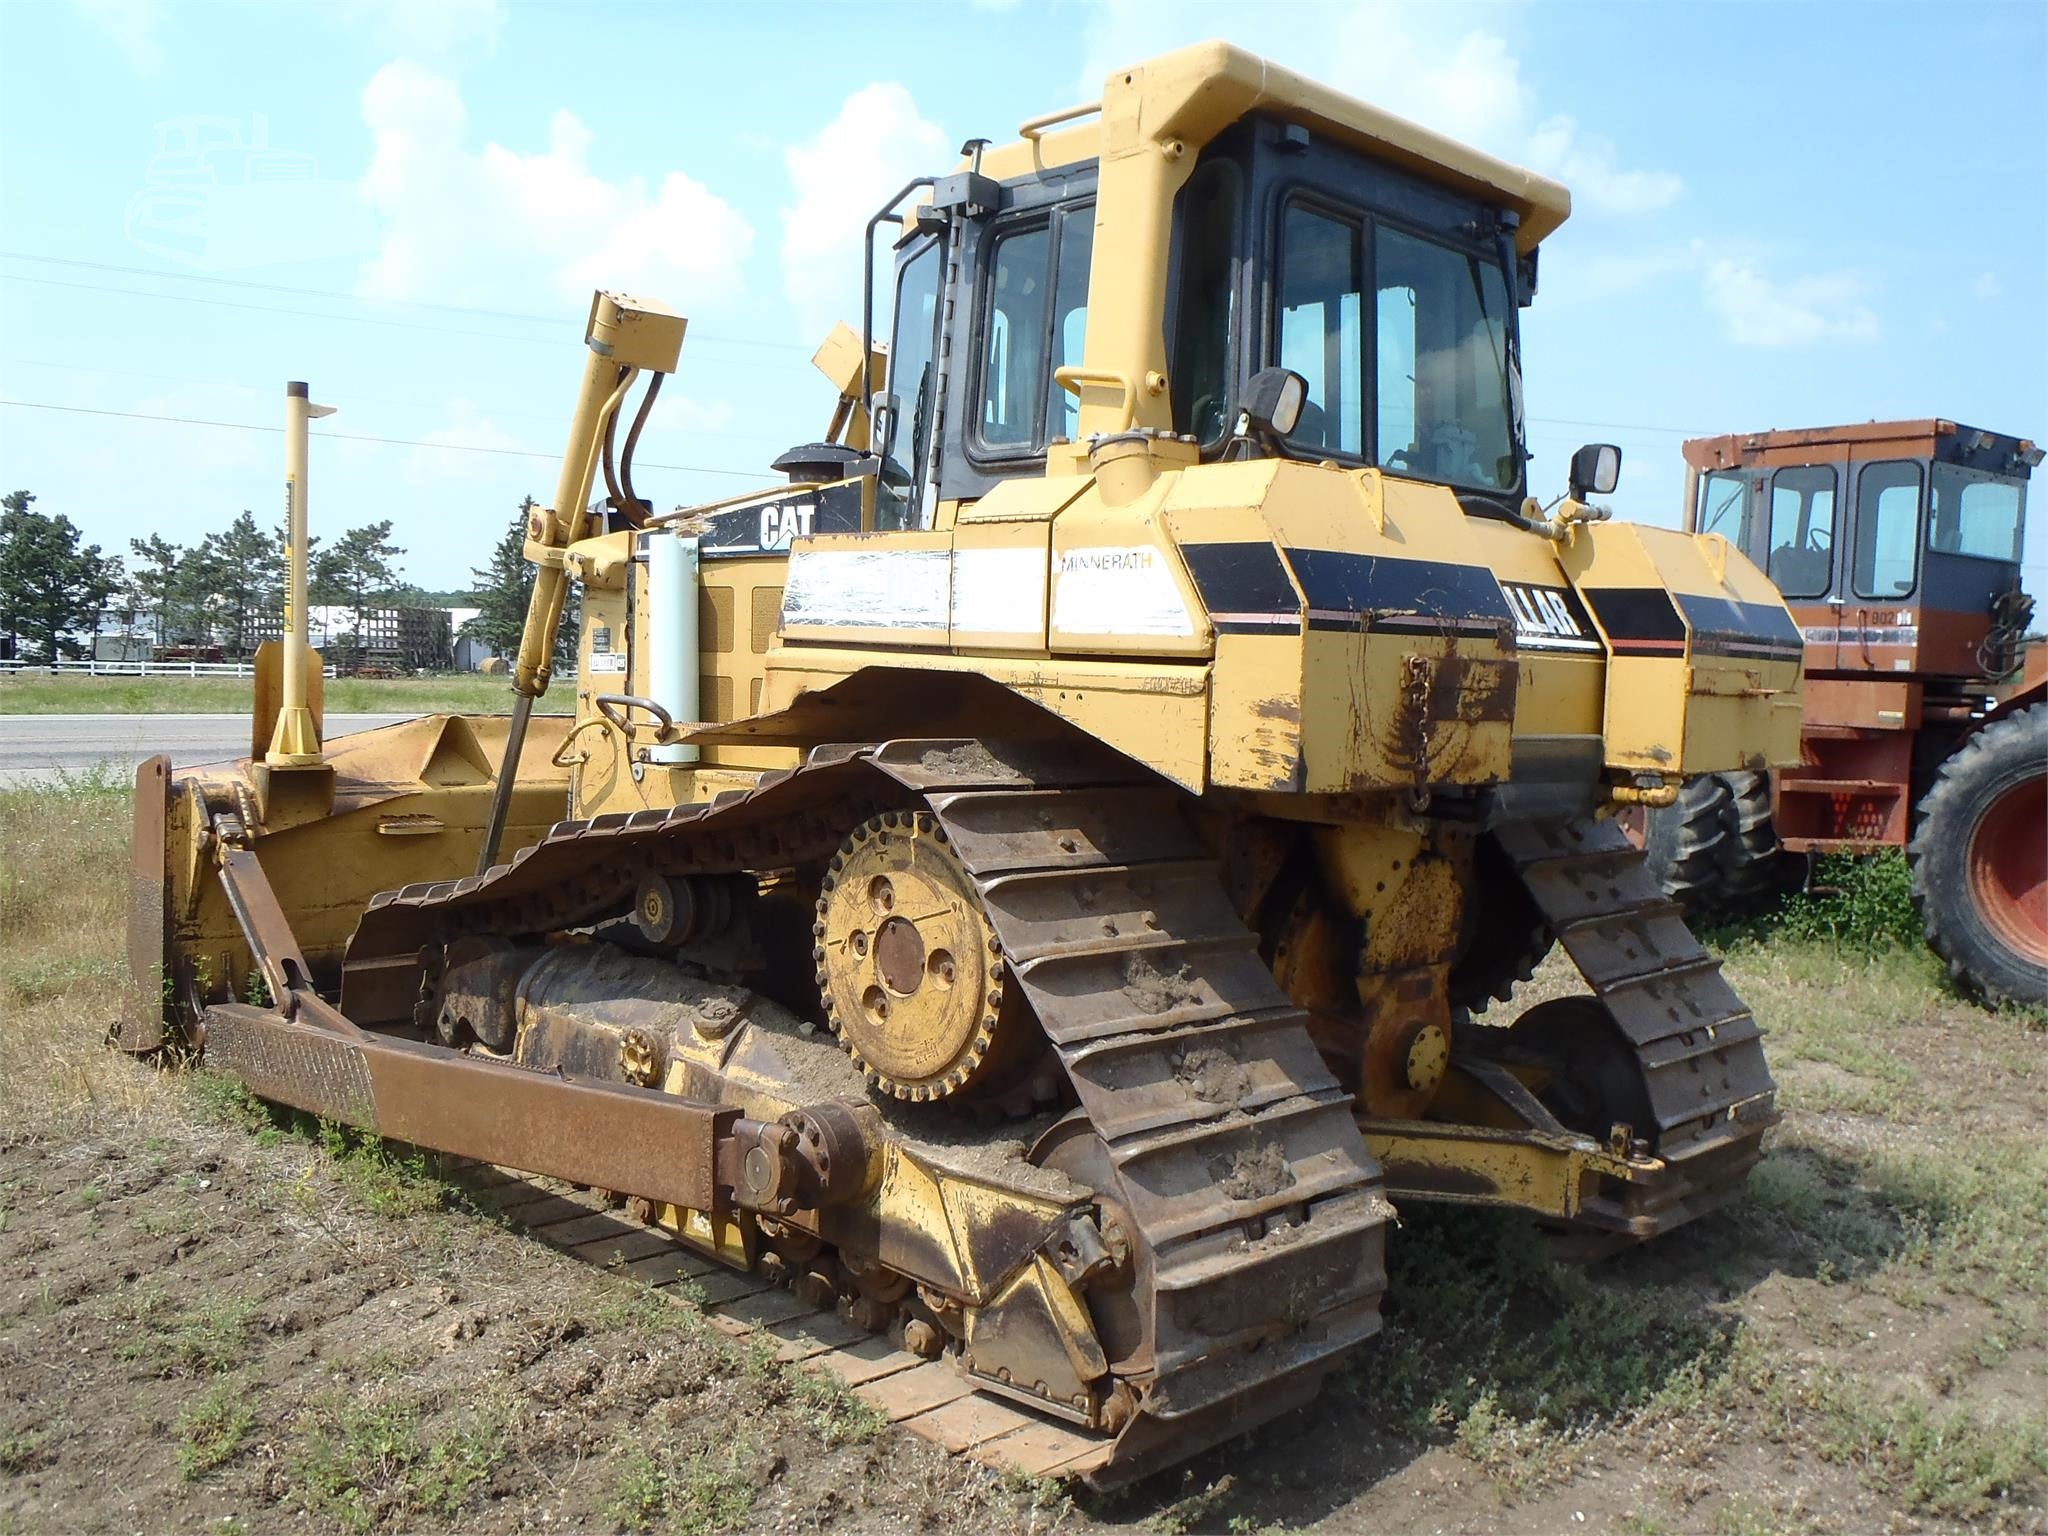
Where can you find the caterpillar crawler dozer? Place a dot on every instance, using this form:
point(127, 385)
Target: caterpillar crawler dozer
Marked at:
point(1029, 880)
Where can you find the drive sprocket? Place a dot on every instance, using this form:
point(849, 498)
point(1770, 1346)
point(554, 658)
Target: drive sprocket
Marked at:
point(909, 968)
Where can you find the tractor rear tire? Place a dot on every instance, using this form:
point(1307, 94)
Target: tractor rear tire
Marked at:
point(1687, 843)
point(1980, 860)
point(1755, 870)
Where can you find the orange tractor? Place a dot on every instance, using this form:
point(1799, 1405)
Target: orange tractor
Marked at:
point(1897, 546)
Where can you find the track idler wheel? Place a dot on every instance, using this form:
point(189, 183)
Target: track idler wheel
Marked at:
point(910, 970)
point(1589, 1075)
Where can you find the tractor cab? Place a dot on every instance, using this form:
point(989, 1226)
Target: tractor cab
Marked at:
point(1381, 266)
point(1897, 545)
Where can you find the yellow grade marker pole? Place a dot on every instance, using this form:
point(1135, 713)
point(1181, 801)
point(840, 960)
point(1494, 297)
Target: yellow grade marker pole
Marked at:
point(295, 740)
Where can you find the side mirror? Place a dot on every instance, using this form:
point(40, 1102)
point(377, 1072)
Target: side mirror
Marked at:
point(1272, 402)
point(1596, 470)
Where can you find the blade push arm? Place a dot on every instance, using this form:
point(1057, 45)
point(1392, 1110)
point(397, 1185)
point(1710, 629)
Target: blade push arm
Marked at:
point(625, 337)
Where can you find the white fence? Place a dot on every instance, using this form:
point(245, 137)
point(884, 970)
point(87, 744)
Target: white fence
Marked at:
point(134, 668)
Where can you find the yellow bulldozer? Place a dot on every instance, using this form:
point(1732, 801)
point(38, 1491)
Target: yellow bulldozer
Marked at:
point(1031, 878)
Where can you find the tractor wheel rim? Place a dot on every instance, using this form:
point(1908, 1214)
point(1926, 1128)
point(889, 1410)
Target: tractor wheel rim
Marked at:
point(2009, 868)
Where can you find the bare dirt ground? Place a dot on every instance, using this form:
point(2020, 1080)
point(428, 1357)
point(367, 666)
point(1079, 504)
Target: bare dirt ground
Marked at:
point(210, 1321)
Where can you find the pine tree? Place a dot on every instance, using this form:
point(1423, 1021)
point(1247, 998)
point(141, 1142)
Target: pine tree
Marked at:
point(359, 572)
point(52, 585)
point(503, 588)
point(246, 570)
point(152, 579)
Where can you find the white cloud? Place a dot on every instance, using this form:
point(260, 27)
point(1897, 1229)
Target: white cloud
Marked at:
point(430, 26)
point(492, 224)
point(1421, 62)
point(131, 26)
point(468, 428)
point(1586, 163)
point(838, 178)
point(1469, 86)
point(1987, 286)
point(1759, 311)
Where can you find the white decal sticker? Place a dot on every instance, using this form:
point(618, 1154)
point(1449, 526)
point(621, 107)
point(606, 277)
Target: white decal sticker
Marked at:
point(866, 589)
point(999, 591)
point(1545, 620)
point(1117, 592)
point(608, 661)
point(780, 524)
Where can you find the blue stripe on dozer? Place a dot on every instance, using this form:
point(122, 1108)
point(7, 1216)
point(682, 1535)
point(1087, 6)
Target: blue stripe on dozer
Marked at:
point(1241, 584)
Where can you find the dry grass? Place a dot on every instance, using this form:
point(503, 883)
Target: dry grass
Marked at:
point(63, 899)
point(30, 693)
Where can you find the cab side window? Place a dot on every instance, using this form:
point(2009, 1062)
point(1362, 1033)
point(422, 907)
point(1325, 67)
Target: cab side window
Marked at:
point(1034, 321)
point(1207, 226)
point(1724, 507)
point(1887, 529)
point(1975, 513)
point(906, 433)
point(1321, 323)
point(1803, 530)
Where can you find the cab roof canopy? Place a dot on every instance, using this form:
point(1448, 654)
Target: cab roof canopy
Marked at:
point(1926, 437)
point(1190, 96)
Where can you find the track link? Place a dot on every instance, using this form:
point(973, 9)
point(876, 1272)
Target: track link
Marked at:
point(1258, 1210)
point(929, 1398)
point(1697, 1046)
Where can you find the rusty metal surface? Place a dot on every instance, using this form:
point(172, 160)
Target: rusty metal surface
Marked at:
point(141, 1026)
point(1258, 1207)
point(633, 1140)
point(1871, 439)
point(264, 924)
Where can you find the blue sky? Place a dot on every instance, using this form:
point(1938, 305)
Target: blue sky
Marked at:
point(1787, 214)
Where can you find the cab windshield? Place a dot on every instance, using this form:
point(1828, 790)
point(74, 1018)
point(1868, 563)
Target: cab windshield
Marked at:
point(1420, 381)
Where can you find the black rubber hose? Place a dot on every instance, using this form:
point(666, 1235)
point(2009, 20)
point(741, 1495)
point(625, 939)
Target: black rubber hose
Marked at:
point(611, 427)
point(634, 509)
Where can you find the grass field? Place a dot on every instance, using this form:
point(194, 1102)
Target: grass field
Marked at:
point(213, 1320)
point(41, 694)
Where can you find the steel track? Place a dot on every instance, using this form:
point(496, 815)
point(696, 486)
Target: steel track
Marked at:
point(1258, 1210)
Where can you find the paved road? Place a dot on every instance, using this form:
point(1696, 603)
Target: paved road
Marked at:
point(35, 746)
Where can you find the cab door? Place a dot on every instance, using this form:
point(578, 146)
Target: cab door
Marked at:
point(1799, 551)
point(1881, 591)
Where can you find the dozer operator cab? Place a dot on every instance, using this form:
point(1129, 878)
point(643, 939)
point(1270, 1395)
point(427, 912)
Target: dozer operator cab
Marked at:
point(1391, 297)
point(1897, 544)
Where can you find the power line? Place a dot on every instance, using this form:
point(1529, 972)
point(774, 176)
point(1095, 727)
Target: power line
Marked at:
point(361, 437)
point(350, 298)
point(494, 412)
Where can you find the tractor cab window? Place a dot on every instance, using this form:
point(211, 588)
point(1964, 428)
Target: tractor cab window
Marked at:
point(1974, 513)
point(1803, 530)
point(905, 436)
point(1207, 227)
point(1035, 320)
point(1724, 507)
point(1887, 529)
point(1322, 333)
point(1433, 345)
point(1447, 390)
